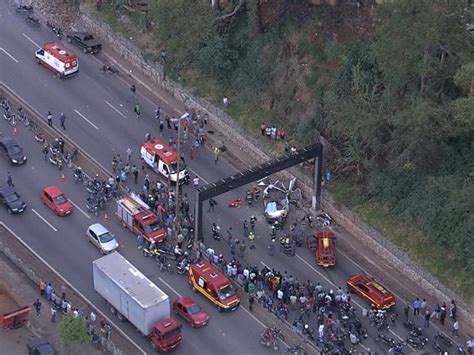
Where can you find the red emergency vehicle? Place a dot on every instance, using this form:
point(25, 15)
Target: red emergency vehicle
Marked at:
point(326, 250)
point(163, 160)
point(58, 59)
point(214, 285)
point(136, 216)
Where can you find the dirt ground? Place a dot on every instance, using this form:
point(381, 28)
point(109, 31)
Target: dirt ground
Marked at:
point(22, 292)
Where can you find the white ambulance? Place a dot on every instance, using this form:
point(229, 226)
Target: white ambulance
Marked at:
point(163, 160)
point(58, 59)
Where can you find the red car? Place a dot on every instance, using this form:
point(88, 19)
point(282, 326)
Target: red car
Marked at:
point(191, 312)
point(54, 198)
point(371, 290)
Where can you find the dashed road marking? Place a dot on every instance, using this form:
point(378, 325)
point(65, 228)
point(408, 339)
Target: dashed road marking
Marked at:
point(44, 220)
point(115, 109)
point(29, 39)
point(85, 118)
point(80, 209)
point(169, 286)
point(9, 55)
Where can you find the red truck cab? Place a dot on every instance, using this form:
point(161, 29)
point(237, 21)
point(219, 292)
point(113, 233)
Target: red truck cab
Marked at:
point(371, 290)
point(166, 335)
point(326, 249)
point(148, 225)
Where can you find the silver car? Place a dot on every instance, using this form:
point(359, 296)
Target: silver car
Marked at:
point(101, 238)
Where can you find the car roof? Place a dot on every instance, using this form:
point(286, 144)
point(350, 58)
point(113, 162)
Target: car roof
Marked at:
point(186, 301)
point(8, 142)
point(6, 190)
point(53, 191)
point(98, 229)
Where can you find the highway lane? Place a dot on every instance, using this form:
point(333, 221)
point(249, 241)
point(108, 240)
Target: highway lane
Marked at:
point(61, 241)
point(86, 94)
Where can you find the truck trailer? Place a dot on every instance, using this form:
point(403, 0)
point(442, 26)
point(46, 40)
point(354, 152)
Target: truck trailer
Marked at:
point(131, 296)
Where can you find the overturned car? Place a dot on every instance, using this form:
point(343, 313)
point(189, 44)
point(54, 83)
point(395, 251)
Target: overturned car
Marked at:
point(277, 198)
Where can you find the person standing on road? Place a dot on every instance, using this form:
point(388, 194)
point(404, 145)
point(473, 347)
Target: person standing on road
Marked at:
point(135, 173)
point(271, 247)
point(62, 119)
point(162, 125)
point(37, 305)
point(49, 118)
point(453, 310)
point(196, 182)
point(416, 307)
point(423, 306)
point(168, 122)
point(251, 302)
point(242, 248)
point(136, 110)
point(427, 318)
point(217, 152)
point(133, 89)
point(455, 330)
point(53, 314)
point(252, 240)
point(129, 154)
point(436, 311)
point(192, 152)
point(10, 180)
point(442, 315)
point(246, 227)
point(212, 205)
point(406, 310)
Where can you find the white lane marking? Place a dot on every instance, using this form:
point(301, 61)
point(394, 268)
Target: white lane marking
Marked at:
point(8, 54)
point(80, 209)
point(199, 176)
point(115, 109)
point(261, 262)
point(80, 114)
point(44, 220)
point(169, 286)
point(29, 39)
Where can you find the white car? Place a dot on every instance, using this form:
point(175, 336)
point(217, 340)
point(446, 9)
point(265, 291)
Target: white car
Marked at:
point(98, 235)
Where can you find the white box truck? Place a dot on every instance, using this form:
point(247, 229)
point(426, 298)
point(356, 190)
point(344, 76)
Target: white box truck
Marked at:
point(131, 296)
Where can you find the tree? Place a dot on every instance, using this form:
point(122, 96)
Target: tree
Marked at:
point(73, 331)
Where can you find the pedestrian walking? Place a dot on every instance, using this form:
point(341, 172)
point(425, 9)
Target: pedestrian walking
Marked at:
point(232, 246)
point(453, 310)
point(436, 311)
point(271, 247)
point(49, 118)
point(229, 235)
point(416, 306)
point(45, 152)
point(246, 227)
point(37, 305)
point(455, 330)
point(62, 119)
point(217, 152)
point(129, 154)
point(158, 113)
point(133, 89)
point(242, 248)
point(251, 302)
point(162, 124)
point(196, 182)
point(135, 173)
point(53, 314)
point(427, 318)
point(168, 122)
point(136, 110)
point(10, 180)
point(252, 240)
point(423, 306)
point(212, 205)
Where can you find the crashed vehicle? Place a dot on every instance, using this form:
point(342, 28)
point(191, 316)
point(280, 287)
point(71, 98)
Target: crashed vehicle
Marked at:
point(277, 199)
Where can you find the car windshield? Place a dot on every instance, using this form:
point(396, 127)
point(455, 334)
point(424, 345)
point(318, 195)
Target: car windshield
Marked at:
point(172, 333)
point(172, 167)
point(194, 309)
point(12, 197)
point(106, 237)
point(152, 227)
point(14, 149)
point(59, 200)
point(226, 292)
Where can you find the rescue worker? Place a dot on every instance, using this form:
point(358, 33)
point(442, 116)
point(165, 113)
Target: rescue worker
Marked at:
point(273, 232)
point(252, 240)
point(253, 221)
point(217, 152)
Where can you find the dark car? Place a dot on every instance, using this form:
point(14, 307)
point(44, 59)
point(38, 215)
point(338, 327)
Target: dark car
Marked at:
point(11, 199)
point(38, 346)
point(85, 41)
point(12, 151)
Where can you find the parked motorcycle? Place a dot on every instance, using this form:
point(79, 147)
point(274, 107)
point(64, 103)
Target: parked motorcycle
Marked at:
point(33, 20)
point(24, 8)
point(417, 342)
point(385, 339)
point(54, 28)
point(106, 68)
point(77, 174)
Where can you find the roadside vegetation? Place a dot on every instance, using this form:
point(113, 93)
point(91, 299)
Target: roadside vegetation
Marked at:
point(390, 87)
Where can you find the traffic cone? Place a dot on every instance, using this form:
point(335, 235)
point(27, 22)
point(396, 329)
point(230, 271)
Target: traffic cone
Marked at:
point(106, 217)
point(63, 177)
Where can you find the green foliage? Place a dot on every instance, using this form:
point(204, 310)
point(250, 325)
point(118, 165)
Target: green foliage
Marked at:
point(217, 59)
point(73, 330)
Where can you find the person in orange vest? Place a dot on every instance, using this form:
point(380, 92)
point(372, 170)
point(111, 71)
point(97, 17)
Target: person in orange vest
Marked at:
point(42, 286)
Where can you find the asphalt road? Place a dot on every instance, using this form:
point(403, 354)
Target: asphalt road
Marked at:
point(99, 118)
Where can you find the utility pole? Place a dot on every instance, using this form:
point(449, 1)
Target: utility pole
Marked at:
point(178, 160)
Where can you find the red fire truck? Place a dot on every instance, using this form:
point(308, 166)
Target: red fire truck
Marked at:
point(136, 216)
point(163, 160)
point(58, 59)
